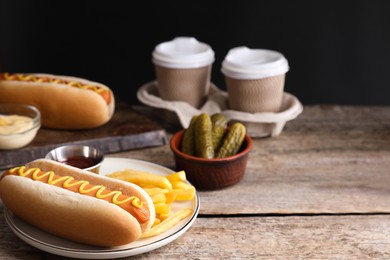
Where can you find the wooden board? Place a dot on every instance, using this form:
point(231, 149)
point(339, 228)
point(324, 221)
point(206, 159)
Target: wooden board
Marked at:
point(127, 130)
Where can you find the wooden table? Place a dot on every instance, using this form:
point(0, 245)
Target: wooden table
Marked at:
point(320, 190)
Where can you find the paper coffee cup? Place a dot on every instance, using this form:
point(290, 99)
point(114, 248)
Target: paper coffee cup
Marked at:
point(183, 70)
point(254, 79)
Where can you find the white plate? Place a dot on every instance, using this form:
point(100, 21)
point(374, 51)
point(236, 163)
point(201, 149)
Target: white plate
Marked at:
point(59, 246)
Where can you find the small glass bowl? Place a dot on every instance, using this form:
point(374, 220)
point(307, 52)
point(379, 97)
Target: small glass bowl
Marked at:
point(21, 134)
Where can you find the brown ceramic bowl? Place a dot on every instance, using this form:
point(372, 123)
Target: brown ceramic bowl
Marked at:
point(211, 174)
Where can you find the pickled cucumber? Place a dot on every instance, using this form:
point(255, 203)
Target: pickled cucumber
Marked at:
point(232, 141)
point(219, 122)
point(188, 141)
point(203, 137)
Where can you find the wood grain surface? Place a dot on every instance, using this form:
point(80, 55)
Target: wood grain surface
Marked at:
point(288, 237)
point(320, 190)
point(331, 159)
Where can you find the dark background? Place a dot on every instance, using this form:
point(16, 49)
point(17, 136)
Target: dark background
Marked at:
point(338, 51)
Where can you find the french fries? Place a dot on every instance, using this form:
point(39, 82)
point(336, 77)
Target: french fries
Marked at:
point(142, 178)
point(168, 223)
point(162, 208)
point(164, 190)
point(180, 194)
point(177, 176)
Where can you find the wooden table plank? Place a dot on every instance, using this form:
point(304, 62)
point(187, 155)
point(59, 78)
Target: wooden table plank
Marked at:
point(326, 185)
point(319, 237)
point(330, 159)
point(294, 237)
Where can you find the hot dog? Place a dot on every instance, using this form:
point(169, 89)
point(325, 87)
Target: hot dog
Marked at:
point(64, 102)
point(77, 205)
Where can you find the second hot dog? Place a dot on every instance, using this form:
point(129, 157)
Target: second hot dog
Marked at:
point(65, 102)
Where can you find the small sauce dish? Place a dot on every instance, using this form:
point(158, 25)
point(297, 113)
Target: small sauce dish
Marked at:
point(19, 124)
point(80, 156)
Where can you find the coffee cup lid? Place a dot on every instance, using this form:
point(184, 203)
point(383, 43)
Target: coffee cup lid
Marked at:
point(183, 52)
point(245, 63)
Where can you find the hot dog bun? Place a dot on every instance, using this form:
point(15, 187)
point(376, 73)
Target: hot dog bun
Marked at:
point(72, 215)
point(62, 102)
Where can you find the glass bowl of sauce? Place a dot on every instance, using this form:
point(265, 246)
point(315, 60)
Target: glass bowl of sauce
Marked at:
point(19, 124)
point(80, 156)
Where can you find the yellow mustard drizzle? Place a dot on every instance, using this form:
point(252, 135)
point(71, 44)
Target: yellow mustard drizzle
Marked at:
point(92, 87)
point(33, 78)
point(24, 77)
point(68, 183)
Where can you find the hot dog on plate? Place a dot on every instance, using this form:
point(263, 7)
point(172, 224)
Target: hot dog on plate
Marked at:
point(64, 102)
point(77, 205)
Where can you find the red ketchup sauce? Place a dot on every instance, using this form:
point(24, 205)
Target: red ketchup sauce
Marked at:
point(80, 162)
